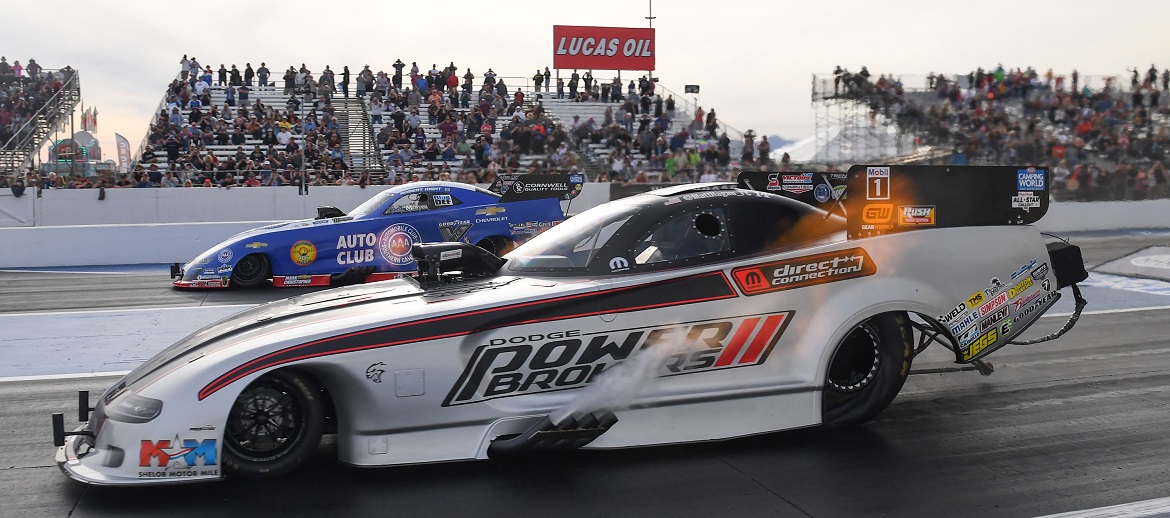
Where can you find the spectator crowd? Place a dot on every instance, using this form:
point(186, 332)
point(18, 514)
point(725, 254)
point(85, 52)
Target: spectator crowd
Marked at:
point(1102, 141)
point(24, 89)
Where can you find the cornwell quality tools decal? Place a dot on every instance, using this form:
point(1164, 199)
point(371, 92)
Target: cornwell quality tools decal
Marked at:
point(528, 364)
point(692, 289)
point(804, 271)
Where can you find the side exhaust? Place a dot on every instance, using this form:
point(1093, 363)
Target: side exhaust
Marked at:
point(545, 436)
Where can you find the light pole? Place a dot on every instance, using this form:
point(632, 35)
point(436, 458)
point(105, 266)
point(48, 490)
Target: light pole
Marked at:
point(650, 18)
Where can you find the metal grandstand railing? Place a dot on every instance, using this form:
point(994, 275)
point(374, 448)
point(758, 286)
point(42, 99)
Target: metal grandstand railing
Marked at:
point(23, 147)
point(363, 154)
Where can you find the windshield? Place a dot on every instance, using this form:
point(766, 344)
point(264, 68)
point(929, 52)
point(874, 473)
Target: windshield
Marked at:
point(372, 203)
point(571, 245)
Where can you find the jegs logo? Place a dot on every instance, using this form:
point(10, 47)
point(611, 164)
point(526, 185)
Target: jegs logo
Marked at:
point(562, 360)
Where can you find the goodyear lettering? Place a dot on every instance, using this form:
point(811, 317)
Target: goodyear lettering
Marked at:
point(1035, 305)
point(544, 362)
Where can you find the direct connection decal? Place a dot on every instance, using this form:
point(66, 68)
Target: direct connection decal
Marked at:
point(804, 271)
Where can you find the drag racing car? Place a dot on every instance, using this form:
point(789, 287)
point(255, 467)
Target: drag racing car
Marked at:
point(372, 242)
point(691, 313)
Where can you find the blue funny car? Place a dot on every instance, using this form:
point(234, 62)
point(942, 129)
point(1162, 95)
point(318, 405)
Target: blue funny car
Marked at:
point(373, 241)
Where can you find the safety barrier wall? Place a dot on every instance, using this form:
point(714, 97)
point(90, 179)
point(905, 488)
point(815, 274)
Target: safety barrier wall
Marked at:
point(163, 242)
point(63, 207)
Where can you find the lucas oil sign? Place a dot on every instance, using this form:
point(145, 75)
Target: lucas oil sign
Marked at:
point(508, 366)
point(603, 48)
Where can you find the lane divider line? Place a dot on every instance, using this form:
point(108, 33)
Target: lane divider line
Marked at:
point(129, 310)
point(45, 377)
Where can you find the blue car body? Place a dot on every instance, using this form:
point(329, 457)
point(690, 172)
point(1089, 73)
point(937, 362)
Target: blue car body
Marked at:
point(373, 242)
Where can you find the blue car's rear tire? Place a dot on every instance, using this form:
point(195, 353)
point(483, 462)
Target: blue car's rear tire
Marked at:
point(497, 245)
point(867, 370)
point(251, 271)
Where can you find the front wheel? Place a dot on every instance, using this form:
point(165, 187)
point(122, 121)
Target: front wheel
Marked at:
point(274, 426)
point(250, 271)
point(867, 370)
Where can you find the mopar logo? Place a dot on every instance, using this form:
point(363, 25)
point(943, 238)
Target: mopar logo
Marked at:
point(618, 264)
point(753, 278)
point(515, 365)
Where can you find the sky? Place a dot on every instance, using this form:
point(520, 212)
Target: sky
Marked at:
point(754, 61)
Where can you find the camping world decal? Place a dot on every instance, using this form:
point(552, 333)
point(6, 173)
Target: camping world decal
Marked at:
point(804, 271)
point(514, 364)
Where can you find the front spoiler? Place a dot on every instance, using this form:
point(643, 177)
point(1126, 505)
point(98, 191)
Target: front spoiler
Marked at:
point(77, 468)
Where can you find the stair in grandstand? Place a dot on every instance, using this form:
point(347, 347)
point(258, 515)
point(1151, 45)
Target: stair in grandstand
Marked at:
point(19, 152)
point(354, 119)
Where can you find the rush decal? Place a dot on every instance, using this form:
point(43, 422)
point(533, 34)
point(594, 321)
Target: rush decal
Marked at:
point(674, 292)
point(518, 365)
point(804, 271)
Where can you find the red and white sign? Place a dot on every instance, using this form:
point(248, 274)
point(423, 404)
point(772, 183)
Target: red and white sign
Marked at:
point(603, 48)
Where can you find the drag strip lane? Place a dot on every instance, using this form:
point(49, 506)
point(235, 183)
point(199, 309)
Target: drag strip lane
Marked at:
point(1042, 435)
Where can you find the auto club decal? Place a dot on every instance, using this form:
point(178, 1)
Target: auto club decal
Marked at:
point(804, 271)
point(509, 366)
point(303, 253)
point(394, 243)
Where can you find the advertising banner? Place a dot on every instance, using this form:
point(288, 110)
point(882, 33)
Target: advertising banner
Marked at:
point(603, 48)
point(123, 153)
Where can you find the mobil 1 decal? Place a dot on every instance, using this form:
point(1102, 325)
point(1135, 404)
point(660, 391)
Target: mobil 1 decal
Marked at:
point(514, 364)
point(799, 272)
point(911, 198)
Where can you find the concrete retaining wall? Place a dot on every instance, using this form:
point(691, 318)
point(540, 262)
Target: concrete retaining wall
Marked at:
point(168, 239)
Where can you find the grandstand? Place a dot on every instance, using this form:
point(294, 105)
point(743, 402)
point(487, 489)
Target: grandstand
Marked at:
point(375, 134)
point(32, 108)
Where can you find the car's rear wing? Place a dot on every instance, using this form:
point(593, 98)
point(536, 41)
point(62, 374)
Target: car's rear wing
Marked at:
point(883, 200)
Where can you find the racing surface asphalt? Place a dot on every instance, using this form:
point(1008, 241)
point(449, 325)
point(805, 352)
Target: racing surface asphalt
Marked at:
point(1079, 423)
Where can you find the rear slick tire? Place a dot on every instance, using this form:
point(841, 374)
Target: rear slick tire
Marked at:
point(497, 245)
point(274, 426)
point(867, 370)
